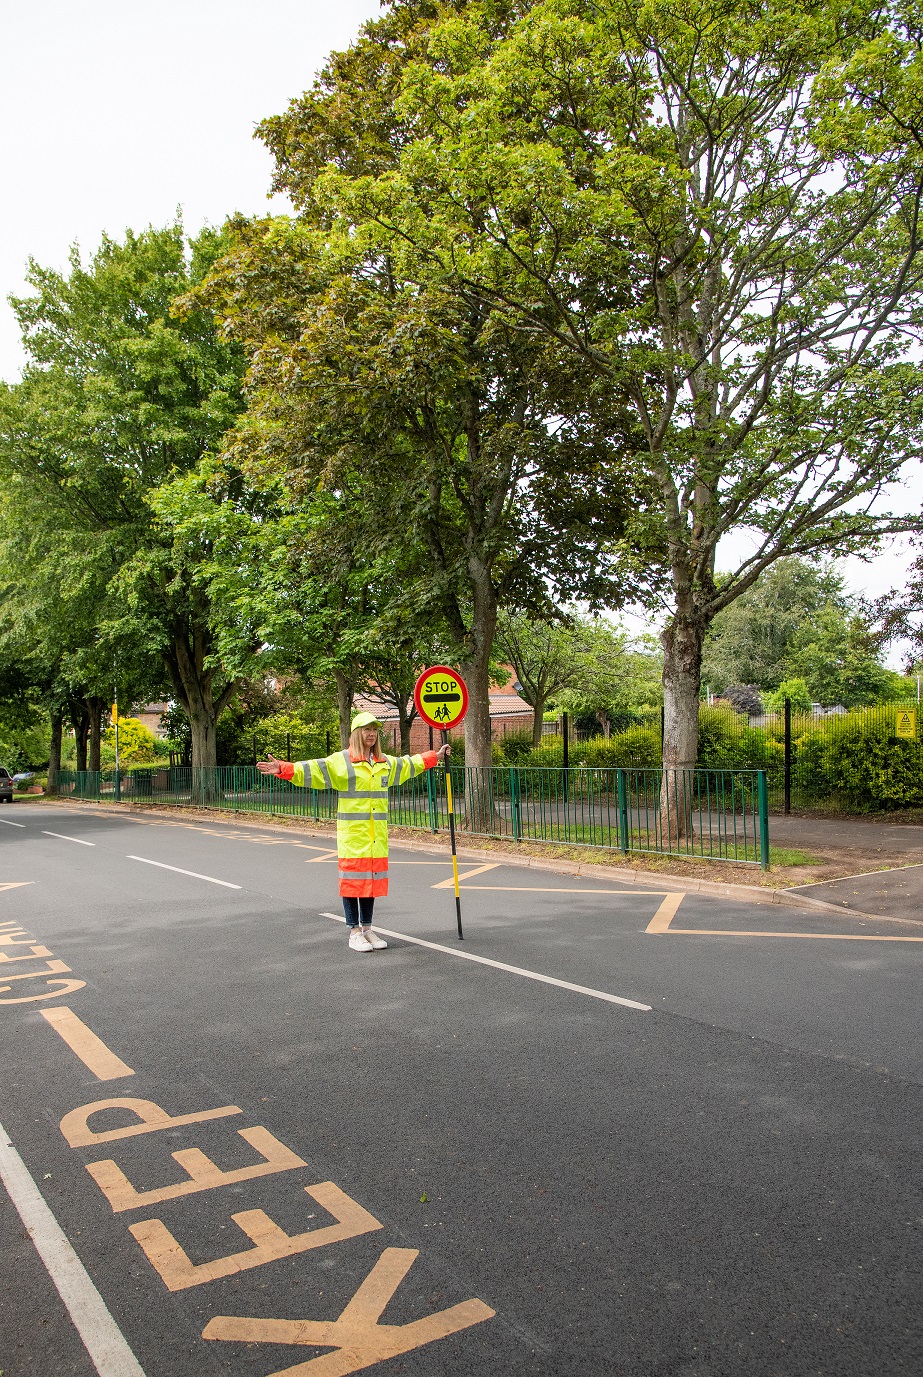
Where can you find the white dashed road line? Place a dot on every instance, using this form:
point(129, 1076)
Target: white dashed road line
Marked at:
point(10, 823)
point(194, 873)
point(513, 970)
point(101, 1336)
point(78, 840)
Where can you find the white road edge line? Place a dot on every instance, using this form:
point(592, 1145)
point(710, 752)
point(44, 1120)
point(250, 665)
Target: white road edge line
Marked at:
point(194, 873)
point(502, 966)
point(101, 1336)
point(10, 823)
point(61, 835)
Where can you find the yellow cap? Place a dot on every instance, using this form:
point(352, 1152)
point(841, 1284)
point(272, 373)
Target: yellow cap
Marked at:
point(364, 719)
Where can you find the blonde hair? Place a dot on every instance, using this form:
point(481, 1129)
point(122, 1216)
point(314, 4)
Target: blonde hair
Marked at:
point(357, 745)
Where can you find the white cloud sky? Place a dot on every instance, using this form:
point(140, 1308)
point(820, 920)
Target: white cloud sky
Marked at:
point(114, 113)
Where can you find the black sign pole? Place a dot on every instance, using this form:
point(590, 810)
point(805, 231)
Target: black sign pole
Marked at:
point(448, 796)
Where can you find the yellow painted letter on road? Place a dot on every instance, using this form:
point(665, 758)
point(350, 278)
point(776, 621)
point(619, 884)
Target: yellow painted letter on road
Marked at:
point(270, 1242)
point(67, 987)
point(202, 1173)
point(76, 1129)
point(357, 1337)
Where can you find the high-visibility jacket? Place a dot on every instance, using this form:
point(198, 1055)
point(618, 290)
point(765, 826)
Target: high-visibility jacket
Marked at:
point(362, 811)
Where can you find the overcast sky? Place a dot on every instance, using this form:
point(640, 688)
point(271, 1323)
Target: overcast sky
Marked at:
point(115, 114)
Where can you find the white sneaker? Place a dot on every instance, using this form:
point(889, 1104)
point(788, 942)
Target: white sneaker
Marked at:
point(358, 941)
point(375, 942)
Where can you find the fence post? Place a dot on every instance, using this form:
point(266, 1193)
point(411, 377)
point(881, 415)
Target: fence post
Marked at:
point(787, 805)
point(623, 809)
point(431, 798)
point(514, 803)
point(762, 794)
point(566, 738)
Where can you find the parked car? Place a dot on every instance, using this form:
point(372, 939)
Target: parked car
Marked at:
point(6, 786)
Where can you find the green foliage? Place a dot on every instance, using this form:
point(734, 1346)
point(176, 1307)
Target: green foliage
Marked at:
point(753, 640)
point(736, 396)
point(864, 762)
point(838, 660)
point(121, 401)
point(289, 736)
point(638, 746)
point(137, 743)
point(25, 748)
point(796, 691)
point(515, 748)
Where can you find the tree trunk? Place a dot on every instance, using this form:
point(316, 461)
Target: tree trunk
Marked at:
point(54, 753)
point(194, 686)
point(345, 695)
point(95, 706)
point(476, 671)
point(203, 723)
point(404, 719)
point(480, 806)
point(538, 719)
point(602, 717)
point(682, 641)
point(80, 717)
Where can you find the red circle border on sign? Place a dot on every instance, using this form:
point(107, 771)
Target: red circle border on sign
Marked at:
point(417, 690)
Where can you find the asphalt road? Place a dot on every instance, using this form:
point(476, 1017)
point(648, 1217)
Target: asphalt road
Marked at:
point(432, 1165)
point(896, 892)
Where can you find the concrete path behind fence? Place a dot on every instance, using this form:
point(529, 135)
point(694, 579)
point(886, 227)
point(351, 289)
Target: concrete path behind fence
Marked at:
point(896, 892)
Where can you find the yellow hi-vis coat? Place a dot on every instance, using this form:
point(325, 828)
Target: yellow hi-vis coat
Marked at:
point(362, 811)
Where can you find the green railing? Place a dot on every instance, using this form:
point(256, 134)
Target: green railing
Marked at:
point(719, 814)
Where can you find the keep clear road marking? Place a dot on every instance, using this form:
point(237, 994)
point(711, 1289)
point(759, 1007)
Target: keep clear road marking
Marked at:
point(62, 837)
point(502, 966)
point(450, 882)
point(10, 823)
point(101, 1336)
point(660, 923)
point(194, 873)
point(82, 1041)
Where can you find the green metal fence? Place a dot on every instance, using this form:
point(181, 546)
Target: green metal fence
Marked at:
point(720, 814)
point(866, 760)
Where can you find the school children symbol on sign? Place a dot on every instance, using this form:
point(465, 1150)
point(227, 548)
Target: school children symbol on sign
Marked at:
point(441, 697)
point(906, 723)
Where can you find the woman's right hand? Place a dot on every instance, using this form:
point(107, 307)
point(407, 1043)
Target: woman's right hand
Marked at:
point(270, 766)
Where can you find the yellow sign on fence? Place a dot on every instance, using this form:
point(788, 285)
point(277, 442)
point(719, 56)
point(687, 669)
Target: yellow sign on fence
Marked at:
point(906, 723)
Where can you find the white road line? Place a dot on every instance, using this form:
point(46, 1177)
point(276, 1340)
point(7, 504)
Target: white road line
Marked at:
point(9, 822)
point(502, 966)
point(102, 1338)
point(194, 873)
point(861, 875)
point(79, 840)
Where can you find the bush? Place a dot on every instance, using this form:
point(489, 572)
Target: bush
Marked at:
point(137, 745)
point(637, 747)
point(862, 761)
point(515, 748)
point(796, 691)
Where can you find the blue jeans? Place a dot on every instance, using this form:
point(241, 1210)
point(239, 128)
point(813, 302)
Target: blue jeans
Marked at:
point(354, 907)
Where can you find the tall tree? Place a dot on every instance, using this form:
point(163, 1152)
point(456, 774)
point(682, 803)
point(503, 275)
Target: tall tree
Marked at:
point(716, 209)
point(366, 371)
point(753, 640)
point(120, 395)
point(549, 657)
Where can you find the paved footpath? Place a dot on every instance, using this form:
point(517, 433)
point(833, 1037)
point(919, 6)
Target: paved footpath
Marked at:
point(613, 1133)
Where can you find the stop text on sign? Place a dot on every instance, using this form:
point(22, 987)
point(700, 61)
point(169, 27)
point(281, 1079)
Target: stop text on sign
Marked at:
point(441, 697)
